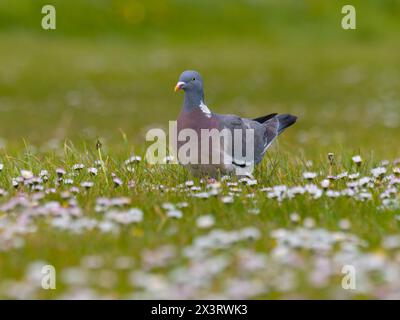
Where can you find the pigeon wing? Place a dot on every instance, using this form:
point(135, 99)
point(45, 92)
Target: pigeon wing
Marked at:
point(264, 134)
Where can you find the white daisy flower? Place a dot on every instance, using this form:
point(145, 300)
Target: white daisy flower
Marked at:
point(98, 163)
point(357, 159)
point(201, 195)
point(16, 181)
point(250, 233)
point(309, 223)
point(182, 204)
point(174, 213)
point(378, 172)
point(247, 181)
point(227, 199)
point(363, 181)
point(60, 172)
point(74, 190)
point(168, 206)
point(189, 183)
point(43, 173)
point(78, 166)
point(294, 217)
point(344, 224)
point(68, 181)
point(93, 171)
point(309, 175)
point(133, 159)
point(342, 175)
point(125, 217)
point(333, 194)
point(206, 221)
point(325, 183)
point(117, 182)
point(87, 184)
point(385, 163)
point(65, 195)
point(313, 190)
point(26, 174)
point(354, 176)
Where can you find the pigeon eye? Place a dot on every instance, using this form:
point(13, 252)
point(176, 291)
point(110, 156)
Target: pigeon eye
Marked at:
point(193, 79)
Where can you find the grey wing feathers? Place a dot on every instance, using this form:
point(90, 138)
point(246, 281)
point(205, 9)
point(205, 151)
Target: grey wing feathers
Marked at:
point(264, 133)
point(266, 129)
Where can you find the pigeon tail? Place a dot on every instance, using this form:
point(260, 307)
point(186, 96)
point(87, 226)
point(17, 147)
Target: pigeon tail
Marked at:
point(285, 120)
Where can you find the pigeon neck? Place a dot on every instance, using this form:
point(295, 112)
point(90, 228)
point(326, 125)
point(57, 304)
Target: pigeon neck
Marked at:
point(192, 101)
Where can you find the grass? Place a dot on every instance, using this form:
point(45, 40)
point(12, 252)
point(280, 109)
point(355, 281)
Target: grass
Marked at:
point(60, 94)
point(66, 249)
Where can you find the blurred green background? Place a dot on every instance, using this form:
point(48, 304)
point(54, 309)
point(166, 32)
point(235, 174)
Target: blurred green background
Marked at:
point(111, 65)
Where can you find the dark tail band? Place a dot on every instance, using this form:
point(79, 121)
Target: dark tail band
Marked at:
point(285, 120)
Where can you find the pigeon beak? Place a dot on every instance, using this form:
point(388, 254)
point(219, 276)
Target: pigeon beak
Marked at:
point(179, 86)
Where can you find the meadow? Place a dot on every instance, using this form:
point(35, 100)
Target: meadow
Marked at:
point(76, 192)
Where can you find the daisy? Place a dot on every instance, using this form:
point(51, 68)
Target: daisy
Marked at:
point(74, 190)
point(60, 172)
point(99, 163)
point(294, 217)
point(174, 214)
point(68, 181)
point(325, 183)
point(309, 175)
point(202, 195)
point(3, 192)
point(117, 182)
point(354, 176)
point(309, 223)
point(92, 171)
point(206, 221)
point(168, 206)
point(16, 181)
point(189, 183)
point(357, 160)
point(78, 167)
point(182, 204)
point(87, 184)
point(26, 174)
point(378, 172)
point(227, 199)
point(344, 224)
point(133, 159)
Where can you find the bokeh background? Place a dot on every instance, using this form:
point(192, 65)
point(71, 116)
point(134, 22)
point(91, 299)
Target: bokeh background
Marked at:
point(111, 65)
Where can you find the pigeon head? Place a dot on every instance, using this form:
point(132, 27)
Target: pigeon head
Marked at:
point(192, 84)
point(190, 81)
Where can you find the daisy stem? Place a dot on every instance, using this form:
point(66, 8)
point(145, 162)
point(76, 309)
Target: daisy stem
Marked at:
point(103, 167)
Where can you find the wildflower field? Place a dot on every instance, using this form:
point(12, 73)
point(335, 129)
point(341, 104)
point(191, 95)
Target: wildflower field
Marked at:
point(77, 194)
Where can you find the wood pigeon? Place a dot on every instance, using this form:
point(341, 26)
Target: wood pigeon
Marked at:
point(196, 116)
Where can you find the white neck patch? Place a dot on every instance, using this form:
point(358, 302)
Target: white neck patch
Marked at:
point(205, 109)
